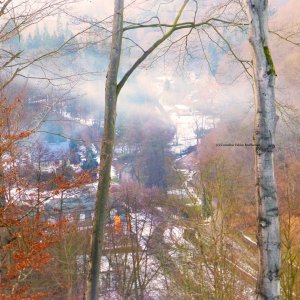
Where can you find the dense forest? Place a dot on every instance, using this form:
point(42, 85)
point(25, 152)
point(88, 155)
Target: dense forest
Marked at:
point(149, 149)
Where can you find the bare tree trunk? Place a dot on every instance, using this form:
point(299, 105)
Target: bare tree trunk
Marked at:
point(112, 89)
point(106, 154)
point(268, 285)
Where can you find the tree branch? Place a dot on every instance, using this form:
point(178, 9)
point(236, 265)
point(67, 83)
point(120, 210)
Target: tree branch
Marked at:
point(151, 49)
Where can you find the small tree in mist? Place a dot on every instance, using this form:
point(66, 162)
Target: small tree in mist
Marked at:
point(145, 139)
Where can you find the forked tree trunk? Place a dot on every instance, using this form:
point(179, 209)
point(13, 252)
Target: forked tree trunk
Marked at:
point(268, 284)
point(112, 89)
point(97, 243)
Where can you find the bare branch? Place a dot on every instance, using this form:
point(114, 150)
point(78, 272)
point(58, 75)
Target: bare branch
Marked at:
point(286, 38)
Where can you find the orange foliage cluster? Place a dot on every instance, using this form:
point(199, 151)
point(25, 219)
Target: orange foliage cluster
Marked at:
point(10, 133)
point(26, 238)
point(18, 136)
point(62, 183)
point(26, 253)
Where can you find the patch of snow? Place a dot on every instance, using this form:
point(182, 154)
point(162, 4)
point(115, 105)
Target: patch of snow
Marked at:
point(87, 122)
point(178, 192)
point(182, 107)
point(113, 172)
point(174, 235)
point(104, 264)
point(142, 225)
point(94, 149)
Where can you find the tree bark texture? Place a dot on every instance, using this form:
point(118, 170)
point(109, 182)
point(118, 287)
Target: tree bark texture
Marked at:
point(268, 234)
point(97, 243)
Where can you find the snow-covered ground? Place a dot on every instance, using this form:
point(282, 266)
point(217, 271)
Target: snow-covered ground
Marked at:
point(142, 225)
point(186, 123)
point(87, 122)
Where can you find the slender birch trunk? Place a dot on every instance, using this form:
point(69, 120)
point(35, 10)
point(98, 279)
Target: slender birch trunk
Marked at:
point(111, 93)
point(268, 284)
